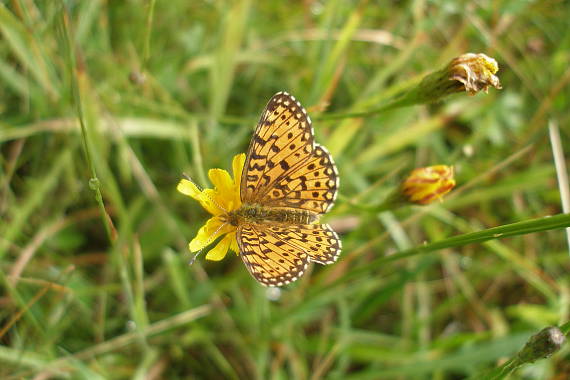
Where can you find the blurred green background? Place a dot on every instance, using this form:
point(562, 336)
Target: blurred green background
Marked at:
point(177, 86)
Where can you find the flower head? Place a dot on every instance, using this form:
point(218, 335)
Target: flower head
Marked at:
point(424, 185)
point(223, 198)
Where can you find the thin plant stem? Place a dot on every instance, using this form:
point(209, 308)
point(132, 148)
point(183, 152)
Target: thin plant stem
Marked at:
point(94, 182)
point(148, 30)
point(561, 170)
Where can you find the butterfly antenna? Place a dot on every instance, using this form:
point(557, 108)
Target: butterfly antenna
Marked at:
point(187, 177)
point(210, 239)
point(195, 256)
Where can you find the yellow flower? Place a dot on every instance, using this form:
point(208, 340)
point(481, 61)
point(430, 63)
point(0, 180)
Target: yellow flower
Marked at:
point(424, 185)
point(220, 200)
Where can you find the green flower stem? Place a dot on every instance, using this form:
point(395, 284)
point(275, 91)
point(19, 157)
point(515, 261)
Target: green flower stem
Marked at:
point(432, 88)
point(469, 73)
point(148, 30)
point(392, 201)
point(401, 100)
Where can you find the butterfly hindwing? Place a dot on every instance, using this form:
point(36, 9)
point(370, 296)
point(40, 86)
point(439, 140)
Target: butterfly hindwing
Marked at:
point(277, 254)
point(271, 260)
point(319, 241)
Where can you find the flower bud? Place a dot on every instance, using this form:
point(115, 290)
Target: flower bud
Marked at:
point(424, 185)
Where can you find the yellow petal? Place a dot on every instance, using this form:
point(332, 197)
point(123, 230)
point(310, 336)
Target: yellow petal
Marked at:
point(204, 197)
point(209, 232)
point(188, 188)
point(202, 238)
point(211, 201)
point(237, 166)
point(219, 251)
point(234, 245)
point(221, 180)
point(226, 193)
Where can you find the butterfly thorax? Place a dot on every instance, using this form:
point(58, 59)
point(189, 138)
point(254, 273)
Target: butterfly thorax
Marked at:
point(256, 213)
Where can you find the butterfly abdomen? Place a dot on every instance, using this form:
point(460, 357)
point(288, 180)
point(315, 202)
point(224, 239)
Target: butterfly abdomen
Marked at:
point(255, 213)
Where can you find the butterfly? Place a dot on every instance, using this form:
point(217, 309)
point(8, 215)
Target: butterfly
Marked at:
point(288, 181)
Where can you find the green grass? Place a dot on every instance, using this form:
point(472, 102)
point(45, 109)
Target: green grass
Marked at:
point(101, 115)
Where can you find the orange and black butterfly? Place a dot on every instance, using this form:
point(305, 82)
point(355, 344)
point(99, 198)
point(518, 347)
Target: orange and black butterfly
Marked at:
point(288, 181)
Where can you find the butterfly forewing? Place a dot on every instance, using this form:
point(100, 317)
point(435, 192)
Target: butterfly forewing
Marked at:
point(312, 185)
point(282, 139)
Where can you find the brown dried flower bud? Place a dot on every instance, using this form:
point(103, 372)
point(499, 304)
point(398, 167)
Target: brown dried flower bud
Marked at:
point(476, 72)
